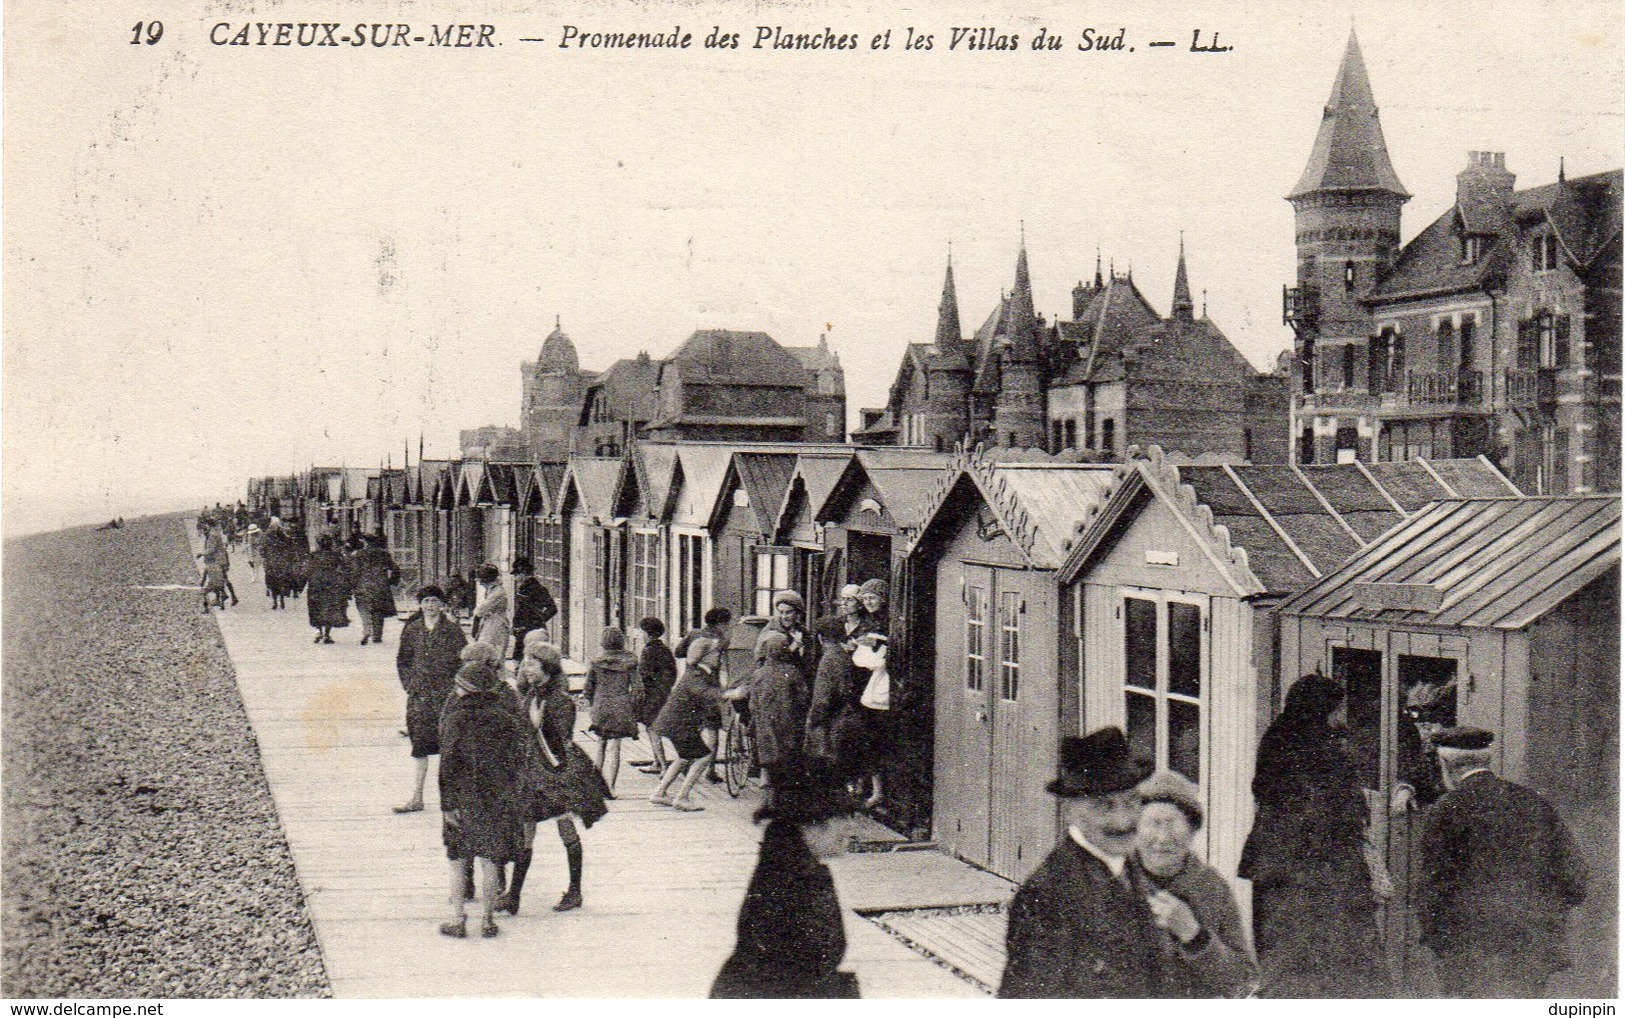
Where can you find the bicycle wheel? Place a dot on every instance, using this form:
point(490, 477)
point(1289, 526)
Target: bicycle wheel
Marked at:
point(736, 759)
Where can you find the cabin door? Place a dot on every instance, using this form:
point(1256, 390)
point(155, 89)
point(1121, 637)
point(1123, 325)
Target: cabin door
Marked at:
point(983, 658)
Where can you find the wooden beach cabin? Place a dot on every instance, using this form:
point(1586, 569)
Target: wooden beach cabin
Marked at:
point(593, 584)
point(1497, 612)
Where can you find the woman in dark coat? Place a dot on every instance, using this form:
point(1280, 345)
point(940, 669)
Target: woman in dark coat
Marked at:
point(282, 563)
point(483, 782)
point(330, 585)
point(778, 702)
point(1314, 912)
point(613, 691)
point(657, 671)
point(564, 782)
point(790, 936)
point(427, 662)
point(533, 604)
point(375, 575)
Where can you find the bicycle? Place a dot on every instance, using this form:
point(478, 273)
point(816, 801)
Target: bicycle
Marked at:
point(738, 752)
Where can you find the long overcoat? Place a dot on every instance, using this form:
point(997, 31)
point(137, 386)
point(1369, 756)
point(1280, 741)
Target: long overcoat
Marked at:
point(328, 594)
point(790, 936)
point(1499, 873)
point(778, 708)
point(657, 670)
point(1076, 931)
point(483, 775)
point(375, 574)
point(284, 560)
point(426, 662)
point(612, 688)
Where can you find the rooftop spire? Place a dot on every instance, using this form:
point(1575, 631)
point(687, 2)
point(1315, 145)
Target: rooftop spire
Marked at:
point(1350, 153)
point(948, 334)
point(1023, 320)
point(1183, 307)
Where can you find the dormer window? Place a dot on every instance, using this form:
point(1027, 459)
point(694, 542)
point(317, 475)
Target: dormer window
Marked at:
point(1472, 248)
point(1543, 252)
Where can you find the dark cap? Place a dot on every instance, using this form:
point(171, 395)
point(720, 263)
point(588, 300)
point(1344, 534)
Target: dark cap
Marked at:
point(1097, 764)
point(1464, 737)
point(429, 590)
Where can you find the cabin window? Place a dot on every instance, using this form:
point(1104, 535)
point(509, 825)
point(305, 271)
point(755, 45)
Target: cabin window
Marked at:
point(772, 576)
point(690, 581)
point(1009, 644)
point(975, 638)
point(1162, 682)
point(645, 576)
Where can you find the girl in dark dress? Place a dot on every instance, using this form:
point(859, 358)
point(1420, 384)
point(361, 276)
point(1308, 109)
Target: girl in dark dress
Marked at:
point(613, 691)
point(565, 783)
point(790, 936)
point(330, 584)
point(657, 671)
point(483, 778)
point(1314, 911)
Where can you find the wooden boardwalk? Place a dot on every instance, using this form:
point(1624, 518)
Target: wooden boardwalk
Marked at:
point(662, 888)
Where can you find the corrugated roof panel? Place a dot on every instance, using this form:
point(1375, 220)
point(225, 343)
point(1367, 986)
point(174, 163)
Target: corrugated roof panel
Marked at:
point(1498, 562)
point(1409, 483)
point(1217, 491)
point(1275, 565)
point(1474, 478)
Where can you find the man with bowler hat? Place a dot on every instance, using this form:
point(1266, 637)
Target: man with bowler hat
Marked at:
point(1499, 873)
point(1081, 926)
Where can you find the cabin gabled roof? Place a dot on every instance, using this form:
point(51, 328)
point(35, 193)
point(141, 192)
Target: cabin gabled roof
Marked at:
point(1037, 503)
point(765, 478)
point(1499, 563)
point(592, 479)
point(815, 475)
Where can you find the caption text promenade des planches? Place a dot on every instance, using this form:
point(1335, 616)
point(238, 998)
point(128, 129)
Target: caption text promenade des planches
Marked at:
point(1095, 663)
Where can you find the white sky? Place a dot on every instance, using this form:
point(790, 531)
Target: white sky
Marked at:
point(226, 262)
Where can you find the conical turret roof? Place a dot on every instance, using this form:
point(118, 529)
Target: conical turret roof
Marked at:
point(1183, 307)
point(949, 339)
point(1350, 153)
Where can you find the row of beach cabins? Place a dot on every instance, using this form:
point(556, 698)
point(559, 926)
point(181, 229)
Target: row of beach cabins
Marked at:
point(1035, 596)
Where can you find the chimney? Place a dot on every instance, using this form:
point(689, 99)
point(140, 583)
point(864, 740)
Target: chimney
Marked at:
point(1484, 190)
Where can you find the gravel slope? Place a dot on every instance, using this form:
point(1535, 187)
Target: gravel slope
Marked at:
point(142, 853)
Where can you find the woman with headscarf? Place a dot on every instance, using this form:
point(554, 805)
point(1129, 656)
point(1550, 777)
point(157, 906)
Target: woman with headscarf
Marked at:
point(375, 577)
point(876, 618)
point(790, 935)
point(790, 621)
point(613, 690)
point(565, 783)
point(330, 585)
point(483, 779)
point(1314, 910)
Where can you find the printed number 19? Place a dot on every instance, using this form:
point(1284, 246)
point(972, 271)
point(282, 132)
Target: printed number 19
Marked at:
point(148, 32)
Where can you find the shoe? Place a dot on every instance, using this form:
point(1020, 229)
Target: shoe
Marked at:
point(648, 768)
point(609, 795)
point(234, 602)
point(714, 778)
point(410, 808)
point(488, 928)
point(568, 903)
point(318, 638)
point(505, 904)
point(458, 929)
point(327, 639)
point(659, 800)
point(365, 640)
point(687, 807)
